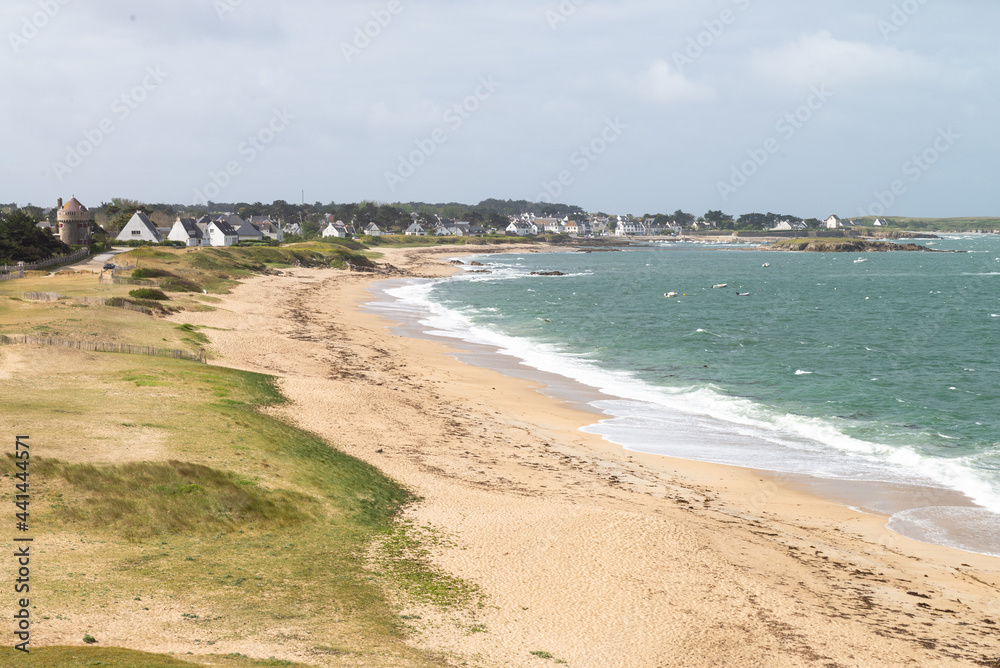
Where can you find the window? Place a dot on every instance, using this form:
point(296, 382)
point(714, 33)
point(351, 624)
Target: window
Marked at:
point(136, 233)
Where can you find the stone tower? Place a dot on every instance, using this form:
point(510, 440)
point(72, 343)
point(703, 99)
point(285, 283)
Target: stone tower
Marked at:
point(73, 220)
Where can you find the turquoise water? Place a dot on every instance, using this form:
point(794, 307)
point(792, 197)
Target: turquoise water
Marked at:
point(884, 370)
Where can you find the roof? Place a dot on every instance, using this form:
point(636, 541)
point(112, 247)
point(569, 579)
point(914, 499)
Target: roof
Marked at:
point(139, 219)
point(191, 227)
point(74, 206)
point(224, 227)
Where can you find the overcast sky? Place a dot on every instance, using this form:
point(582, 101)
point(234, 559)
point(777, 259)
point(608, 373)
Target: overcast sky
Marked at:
point(635, 106)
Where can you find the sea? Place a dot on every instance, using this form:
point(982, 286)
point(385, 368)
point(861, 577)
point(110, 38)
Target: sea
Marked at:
point(873, 369)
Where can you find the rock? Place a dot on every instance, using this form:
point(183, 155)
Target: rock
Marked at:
point(547, 273)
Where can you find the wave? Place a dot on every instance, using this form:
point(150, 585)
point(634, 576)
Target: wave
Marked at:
point(704, 423)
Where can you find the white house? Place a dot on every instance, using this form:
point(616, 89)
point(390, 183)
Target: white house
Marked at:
point(373, 230)
point(416, 230)
point(880, 223)
point(788, 225)
point(139, 228)
point(187, 231)
point(629, 228)
point(335, 229)
point(553, 225)
point(522, 228)
point(220, 233)
point(834, 222)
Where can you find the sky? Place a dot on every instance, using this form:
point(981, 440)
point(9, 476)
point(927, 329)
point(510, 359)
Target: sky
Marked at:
point(856, 107)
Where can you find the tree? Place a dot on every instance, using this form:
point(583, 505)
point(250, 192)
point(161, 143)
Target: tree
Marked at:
point(719, 219)
point(21, 240)
point(120, 210)
point(683, 219)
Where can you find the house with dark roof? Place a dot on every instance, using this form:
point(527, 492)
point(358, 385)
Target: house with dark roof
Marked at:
point(187, 230)
point(219, 233)
point(246, 230)
point(268, 227)
point(140, 228)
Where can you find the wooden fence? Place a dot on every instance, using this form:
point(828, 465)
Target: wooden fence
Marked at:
point(114, 280)
point(101, 347)
point(41, 296)
point(29, 266)
point(118, 302)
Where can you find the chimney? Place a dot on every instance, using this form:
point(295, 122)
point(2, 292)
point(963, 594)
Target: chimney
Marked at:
point(60, 202)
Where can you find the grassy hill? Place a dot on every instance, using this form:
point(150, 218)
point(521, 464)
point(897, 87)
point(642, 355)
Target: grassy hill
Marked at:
point(168, 506)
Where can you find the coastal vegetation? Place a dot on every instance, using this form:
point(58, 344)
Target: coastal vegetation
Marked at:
point(841, 245)
point(168, 490)
point(22, 241)
point(937, 224)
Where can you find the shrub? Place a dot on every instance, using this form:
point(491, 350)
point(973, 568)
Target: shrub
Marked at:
point(89, 639)
point(142, 272)
point(148, 293)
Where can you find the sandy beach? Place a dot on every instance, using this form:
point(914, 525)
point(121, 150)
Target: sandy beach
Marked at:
point(586, 553)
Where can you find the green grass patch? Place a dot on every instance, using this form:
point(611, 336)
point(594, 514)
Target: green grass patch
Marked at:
point(148, 293)
point(72, 657)
point(193, 335)
point(111, 657)
point(141, 500)
point(403, 556)
point(218, 269)
point(240, 521)
point(936, 224)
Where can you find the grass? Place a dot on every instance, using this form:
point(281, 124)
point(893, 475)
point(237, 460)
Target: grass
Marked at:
point(224, 513)
point(148, 293)
point(938, 224)
point(87, 657)
point(216, 270)
point(166, 495)
point(77, 320)
point(143, 500)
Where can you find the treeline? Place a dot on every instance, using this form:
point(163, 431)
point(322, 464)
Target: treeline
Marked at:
point(312, 217)
point(21, 240)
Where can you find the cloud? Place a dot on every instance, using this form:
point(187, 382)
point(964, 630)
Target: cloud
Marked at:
point(662, 84)
point(821, 58)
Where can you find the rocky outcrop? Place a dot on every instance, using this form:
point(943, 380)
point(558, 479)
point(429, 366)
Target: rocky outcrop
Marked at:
point(844, 246)
point(547, 273)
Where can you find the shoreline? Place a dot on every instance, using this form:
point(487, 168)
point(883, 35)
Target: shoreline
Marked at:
point(595, 554)
point(929, 510)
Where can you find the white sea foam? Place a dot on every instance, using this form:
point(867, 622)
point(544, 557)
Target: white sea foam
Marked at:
point(703, 423)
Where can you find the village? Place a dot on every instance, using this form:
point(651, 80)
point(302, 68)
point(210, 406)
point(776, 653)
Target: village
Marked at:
point(75, 226)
